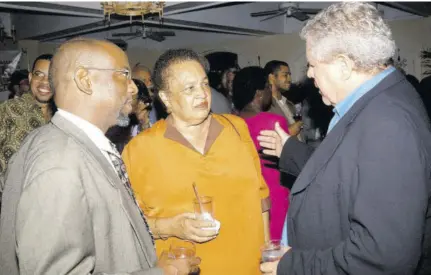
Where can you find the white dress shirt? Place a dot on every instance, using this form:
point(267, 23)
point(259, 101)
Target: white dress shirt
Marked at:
point(287, 112)
point(93, 132)
point(134, 130)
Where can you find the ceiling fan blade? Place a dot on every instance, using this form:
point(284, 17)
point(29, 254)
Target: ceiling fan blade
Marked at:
point(155, 37)
point(300, 16)
point(165, 33)
point(310, 11)
point(275, 15)
point(264, 13)
point(125, 34)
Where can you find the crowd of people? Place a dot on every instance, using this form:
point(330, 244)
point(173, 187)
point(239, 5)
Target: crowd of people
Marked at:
point(104, 167)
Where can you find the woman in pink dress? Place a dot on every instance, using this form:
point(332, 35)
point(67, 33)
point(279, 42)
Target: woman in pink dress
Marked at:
point(252, 99)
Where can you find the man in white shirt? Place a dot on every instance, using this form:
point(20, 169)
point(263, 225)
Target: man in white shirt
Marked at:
point(279, 80)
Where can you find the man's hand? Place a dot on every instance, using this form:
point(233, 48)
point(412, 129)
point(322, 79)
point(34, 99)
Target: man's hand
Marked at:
point(273, 140)
point(187, 227)
point(172, 266)
point(270, 268)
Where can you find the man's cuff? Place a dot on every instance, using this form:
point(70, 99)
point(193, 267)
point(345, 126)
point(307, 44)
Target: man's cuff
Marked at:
point(285, 266)
point(288, 149)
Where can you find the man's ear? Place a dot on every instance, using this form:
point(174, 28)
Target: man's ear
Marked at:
point(271, 79)
point(30, 75)
point(346, 66)
point(82, 81)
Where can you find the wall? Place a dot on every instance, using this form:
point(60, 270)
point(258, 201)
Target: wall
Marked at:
point(238, 16)
point(34, 49)
point(411, 37)
point(30, 25)
point(288, 47)
point(145, 57)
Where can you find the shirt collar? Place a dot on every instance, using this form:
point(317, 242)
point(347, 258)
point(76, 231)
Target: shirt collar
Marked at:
point(282, 100)
point(93, 132)
point(344, 106)
point(215, 129)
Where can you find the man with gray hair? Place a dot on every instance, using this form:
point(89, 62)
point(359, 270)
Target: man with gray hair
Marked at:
point(361, 202)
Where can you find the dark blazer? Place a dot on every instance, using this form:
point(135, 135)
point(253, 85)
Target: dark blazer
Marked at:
point(361, 204)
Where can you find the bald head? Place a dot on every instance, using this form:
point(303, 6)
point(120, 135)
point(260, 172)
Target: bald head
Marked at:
point(91, 79)
point(77, 53)
point(144, 74)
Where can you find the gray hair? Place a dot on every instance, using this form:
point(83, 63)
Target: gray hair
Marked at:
point(354, 29)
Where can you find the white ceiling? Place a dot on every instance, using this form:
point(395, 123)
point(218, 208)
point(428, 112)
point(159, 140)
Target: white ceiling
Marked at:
point(32, 19)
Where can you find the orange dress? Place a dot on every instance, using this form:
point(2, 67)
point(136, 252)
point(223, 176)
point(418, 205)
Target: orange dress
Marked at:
point(162, 166)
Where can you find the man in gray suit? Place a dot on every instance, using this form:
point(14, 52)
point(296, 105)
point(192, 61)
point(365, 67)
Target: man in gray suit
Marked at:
point(67, 205)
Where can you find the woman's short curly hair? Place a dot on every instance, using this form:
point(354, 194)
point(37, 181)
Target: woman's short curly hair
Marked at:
point(355, 29)
point(245, 85)
point(168, 58)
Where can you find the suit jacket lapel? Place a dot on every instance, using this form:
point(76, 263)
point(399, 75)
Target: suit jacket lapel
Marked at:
point(129, 206)
point(276, 109)
point(327, 148)
point(80, 137)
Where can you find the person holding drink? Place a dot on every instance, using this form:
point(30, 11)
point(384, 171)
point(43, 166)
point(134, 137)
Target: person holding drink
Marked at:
point(215, 152)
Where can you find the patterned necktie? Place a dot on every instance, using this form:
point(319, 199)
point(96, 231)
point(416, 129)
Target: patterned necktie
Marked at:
point(122, 174)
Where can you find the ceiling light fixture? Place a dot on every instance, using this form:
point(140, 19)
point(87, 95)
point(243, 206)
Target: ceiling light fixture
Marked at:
point(132, 9)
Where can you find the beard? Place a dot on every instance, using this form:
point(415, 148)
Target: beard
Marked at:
point(283, 87)
point(123, 120)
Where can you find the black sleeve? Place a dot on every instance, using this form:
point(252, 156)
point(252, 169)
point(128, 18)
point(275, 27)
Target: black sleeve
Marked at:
point(294, 156)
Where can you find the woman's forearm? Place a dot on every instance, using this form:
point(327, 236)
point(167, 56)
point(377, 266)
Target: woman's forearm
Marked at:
point(265, 216)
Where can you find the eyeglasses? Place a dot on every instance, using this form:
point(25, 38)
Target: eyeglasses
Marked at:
point(38, 75)
point(125, 72)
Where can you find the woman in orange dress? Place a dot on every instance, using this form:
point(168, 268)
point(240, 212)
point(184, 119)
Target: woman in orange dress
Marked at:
point(214, 151)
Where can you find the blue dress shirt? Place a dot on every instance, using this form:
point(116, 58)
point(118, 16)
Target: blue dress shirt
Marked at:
point(344, 106)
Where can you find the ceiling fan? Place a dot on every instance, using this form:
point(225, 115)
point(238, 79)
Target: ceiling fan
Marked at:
point(144, 33)
point(289, 9)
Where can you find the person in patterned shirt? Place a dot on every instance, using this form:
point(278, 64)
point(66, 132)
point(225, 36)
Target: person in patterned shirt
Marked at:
point(20, 116)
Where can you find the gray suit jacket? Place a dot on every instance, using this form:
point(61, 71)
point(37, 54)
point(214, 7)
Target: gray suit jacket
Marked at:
point(362, 201)
point(276, 109)
point(65, 210)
